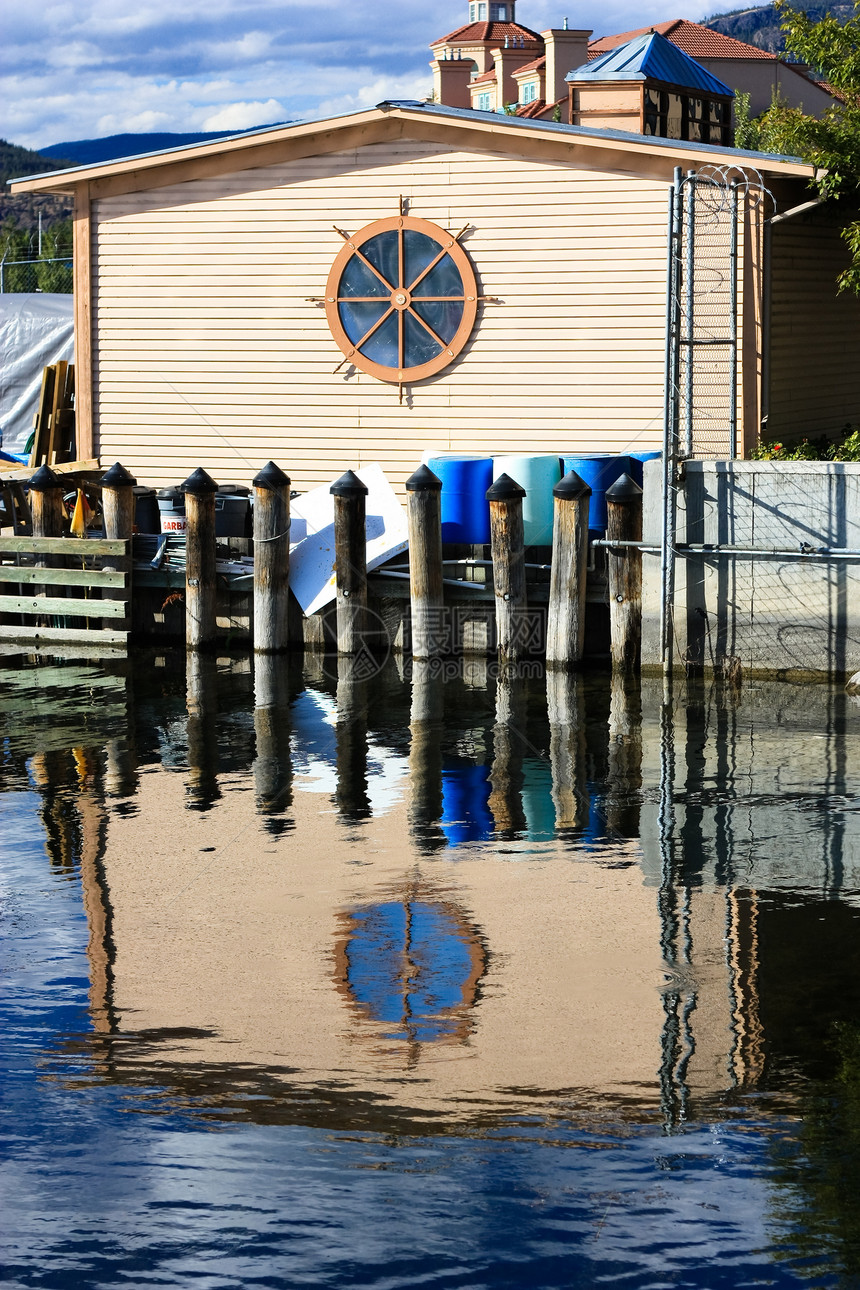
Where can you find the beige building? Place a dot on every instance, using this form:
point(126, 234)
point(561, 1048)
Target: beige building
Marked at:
point(232, 303)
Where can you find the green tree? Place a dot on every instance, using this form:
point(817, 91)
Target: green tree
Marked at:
point(830, 143)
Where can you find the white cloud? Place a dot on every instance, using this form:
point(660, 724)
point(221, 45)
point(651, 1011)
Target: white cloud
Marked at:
point(241, 116)
point(226, 64)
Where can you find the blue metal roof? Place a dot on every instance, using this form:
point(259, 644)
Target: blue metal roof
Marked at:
point(650, 58)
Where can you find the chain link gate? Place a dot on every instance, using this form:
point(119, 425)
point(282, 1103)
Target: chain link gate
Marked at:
point(701, 376)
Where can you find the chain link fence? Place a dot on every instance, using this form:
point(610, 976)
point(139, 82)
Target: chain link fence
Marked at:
point(38, 274)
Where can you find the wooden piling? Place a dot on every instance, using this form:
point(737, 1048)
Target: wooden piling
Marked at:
point(350, 557)
point(507, 549)
point(49, 520)
point(271, 559)
point(624, 568)
point(46, 504)
point(424, 512)
point(118, 515)
point(200, 490)
point(565, 636)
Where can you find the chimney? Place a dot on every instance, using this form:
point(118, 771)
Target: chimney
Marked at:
point(565, 50)
point(451, 78)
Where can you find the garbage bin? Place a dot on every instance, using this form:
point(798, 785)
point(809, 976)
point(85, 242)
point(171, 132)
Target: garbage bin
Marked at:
point(171, 506)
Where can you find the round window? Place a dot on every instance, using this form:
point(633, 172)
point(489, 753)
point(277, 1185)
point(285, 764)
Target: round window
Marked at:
point(401, 299)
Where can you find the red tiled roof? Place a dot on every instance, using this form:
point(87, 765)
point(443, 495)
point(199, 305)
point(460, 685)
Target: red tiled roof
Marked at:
point(480, 32)
point(485, 78)
point(540, 108)
point(537, 65)
point(535, 108)
point(695, 39)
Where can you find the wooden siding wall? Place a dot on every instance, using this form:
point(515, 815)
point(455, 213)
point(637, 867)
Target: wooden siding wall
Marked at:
point(814, 382)
point(207, 350)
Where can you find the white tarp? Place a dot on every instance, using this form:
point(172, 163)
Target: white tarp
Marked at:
point(35, 330)
point(312, 577)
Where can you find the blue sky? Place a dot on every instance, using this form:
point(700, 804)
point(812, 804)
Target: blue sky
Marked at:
point(98, 67)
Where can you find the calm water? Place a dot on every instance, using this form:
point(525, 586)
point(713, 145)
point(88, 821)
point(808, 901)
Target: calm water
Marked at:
point(409, 981)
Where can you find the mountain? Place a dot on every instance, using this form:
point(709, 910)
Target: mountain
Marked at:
point(24, 211)
point(89, 152)
point(16, 162)
point(760, 26)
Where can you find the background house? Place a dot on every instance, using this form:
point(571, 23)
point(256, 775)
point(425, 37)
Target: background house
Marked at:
point(491, 65)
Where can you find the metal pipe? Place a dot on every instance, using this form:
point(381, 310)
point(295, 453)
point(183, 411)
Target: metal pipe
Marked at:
point(670, 423)
point(733, 277)
point(689, 313)
point(724, 548)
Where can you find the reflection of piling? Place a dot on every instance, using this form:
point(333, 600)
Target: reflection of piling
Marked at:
point(424, 510)
point(351, 734)
point(565, 636)
point(625, 757)
point(200, 492)
point(509, 569)
point(509, 744)
point(350, 558)
point(273, 767)
point(425, 755)
point(624, 568)
point(121, 777)
point(201, 684)
point(271, 559)
point(566, 712)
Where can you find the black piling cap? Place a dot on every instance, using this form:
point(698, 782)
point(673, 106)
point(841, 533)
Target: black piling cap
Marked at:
point(571, 487)
point(44, 479)
point(624, 489)
point(199, 483)
point(504, 489)
point(271, 477)
point(423, 481)
point(117, 477)
point(349, 485)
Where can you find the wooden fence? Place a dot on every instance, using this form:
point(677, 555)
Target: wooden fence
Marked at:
point(65, 590)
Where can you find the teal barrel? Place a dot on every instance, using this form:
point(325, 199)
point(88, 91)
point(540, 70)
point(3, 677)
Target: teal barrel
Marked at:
point(465, 510)
point(538, 475)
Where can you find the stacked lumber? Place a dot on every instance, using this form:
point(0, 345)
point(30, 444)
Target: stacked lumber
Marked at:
point(54, 422)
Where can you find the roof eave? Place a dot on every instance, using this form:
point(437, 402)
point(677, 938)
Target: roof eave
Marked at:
point(489, 124)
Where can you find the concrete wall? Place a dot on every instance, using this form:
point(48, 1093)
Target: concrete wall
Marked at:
point(772, 613)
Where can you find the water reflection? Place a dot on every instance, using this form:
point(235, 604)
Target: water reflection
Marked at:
point(304, 905)
point(413, 964)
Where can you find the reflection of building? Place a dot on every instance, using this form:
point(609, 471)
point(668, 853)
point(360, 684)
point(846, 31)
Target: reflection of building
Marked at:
point(493, 976)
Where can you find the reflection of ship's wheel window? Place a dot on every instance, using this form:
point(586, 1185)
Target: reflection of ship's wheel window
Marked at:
point(401, 299)
point(413, 965)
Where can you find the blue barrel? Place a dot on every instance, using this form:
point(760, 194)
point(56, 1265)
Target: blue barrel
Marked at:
point(466, 814)
point(538, 475)
point(636, 460)
point(600, 472)
point(465, 510)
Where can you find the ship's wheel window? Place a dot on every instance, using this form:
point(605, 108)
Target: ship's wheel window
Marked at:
point(401, 299)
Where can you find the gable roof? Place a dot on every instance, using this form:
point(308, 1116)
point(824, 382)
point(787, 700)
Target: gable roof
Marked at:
point(650, 57)
point(454, 127)
point(475, 33)
point(693, 37)
point(536, 65)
